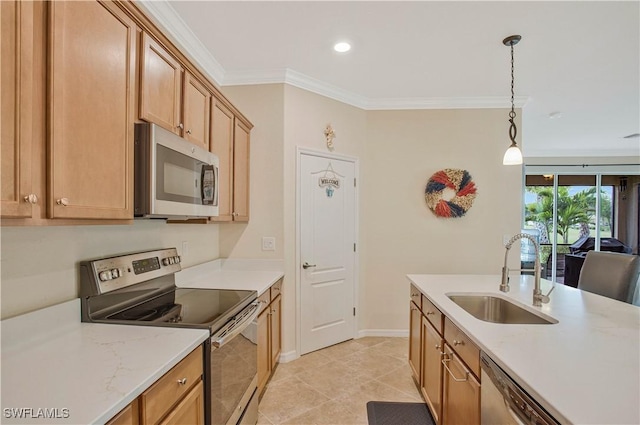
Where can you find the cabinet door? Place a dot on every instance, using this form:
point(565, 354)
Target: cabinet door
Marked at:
point(240, 172)
point(431, 387)
point(160, 86)
point(264, 350)
point(190, 410)
point(16, 85)
point(222, 146)
point(461, 392)
point(276, 329)
point(91, 110)
point(196, 111)
point(415, 318)
point(127, 416)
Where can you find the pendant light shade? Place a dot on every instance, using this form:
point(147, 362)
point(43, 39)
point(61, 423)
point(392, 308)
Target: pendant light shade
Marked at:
point(513, 155)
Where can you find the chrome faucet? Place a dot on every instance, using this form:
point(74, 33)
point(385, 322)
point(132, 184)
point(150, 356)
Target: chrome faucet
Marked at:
point(538, 298)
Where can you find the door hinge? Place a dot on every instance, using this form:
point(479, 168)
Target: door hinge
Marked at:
point(354, 311)
point(354, 247)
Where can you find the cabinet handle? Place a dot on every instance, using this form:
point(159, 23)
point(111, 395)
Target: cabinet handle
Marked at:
point(264, 301)
point(307, 265)
point(466, 374)
point(188, 131)
point(276, 288)
point(414, 295)
point(438, 346)
point(31, 199)
point(273, 310)
point(181, 126)
point(63, 201)
point(456, 342)
point(234, 214)
point(182, 381)
point(429, 313)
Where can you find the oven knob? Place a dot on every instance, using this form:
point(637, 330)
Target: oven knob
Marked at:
point(176, 259)
point(115, 273)
point(105, 275)
point(165, 262)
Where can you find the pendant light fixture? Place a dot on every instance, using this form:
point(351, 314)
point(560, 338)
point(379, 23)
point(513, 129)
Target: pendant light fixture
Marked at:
point(512, 156)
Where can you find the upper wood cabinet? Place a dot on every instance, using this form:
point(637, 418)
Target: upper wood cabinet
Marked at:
point(196, 111)
point(16, 85)
point(92, 51)
point(222, 145)
point(172, 97)
point(241, 151)
point(230, 141)
point(160, 86)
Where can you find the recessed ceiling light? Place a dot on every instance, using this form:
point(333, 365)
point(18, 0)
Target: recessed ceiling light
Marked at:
point(342, 47)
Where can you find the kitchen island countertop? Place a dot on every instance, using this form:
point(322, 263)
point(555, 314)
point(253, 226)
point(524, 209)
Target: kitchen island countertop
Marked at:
point(583, 370)
point(58, 370)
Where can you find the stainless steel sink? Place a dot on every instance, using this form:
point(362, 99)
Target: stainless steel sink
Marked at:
point(499, 310)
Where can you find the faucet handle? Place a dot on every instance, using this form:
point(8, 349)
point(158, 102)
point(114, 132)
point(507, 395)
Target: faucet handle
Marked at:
point(545, 298)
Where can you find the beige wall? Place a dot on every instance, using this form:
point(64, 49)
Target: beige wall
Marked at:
point(263, 105)
point(40, 264)
point(400, 234)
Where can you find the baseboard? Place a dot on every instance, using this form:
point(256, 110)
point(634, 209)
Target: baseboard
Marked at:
point(400, 333)
point(287, 357)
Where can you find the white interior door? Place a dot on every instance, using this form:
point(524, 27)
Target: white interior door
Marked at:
point(327, 208)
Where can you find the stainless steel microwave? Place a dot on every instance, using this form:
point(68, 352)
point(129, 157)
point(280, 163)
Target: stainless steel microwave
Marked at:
point(172, 177)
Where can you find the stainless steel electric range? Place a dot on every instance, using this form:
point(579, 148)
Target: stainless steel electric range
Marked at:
point(139, 289)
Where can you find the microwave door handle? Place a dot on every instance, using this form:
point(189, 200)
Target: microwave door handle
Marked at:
point(215, 185)
point(203, 173)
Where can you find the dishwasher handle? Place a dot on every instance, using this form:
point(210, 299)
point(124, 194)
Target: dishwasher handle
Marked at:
point(236, 326)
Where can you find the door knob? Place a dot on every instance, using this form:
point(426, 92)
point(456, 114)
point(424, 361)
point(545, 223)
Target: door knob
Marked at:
point(62, 201)
point(307, 265)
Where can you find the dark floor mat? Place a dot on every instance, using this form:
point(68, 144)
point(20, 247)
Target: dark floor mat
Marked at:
point(394, 413)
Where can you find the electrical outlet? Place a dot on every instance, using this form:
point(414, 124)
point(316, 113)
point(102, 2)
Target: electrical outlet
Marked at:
point(268, 244)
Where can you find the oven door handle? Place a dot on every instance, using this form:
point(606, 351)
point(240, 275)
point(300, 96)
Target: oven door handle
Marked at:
point(235, 328)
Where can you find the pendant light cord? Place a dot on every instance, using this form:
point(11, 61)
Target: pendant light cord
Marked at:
point(512, 128)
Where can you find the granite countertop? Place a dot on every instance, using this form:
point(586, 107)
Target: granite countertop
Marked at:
point(253, 275)
point(82, 372)
point(584, 369)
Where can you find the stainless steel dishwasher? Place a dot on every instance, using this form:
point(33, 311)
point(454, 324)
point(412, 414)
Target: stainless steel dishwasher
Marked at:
point(503, 402)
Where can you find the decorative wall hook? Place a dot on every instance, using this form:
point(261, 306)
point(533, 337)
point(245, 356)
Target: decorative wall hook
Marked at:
point(330, 135)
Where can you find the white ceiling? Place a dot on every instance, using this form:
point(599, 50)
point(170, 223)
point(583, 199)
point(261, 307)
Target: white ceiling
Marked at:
point(579, 58)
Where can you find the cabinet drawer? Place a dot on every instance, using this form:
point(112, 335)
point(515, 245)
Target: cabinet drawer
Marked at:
point(432, 314)
point(463, 346)
point(276, 289)
point(264, 299)
point(416, 296)
point(168, 390)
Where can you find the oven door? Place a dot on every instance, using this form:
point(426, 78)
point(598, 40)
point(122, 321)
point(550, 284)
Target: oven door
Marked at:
point(233, 370)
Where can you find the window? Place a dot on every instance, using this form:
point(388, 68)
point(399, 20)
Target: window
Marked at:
point(574, 213)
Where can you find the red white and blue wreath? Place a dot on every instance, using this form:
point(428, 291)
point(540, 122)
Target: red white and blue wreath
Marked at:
point(457, 180)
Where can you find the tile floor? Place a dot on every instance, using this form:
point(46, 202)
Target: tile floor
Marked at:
point(333, 385)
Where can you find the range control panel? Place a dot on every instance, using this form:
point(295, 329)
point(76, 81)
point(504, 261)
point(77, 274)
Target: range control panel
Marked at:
point(109, 274)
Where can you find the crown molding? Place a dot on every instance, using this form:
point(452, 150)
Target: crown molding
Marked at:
point(165, 16)
point(168, 19)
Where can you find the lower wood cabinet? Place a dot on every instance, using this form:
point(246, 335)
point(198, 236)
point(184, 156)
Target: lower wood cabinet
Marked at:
point(269, 333)
point(176, 398)
point(415, 318)
point(130, 415)
point(431, 370)
point(461, 392)
point(445, 364)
